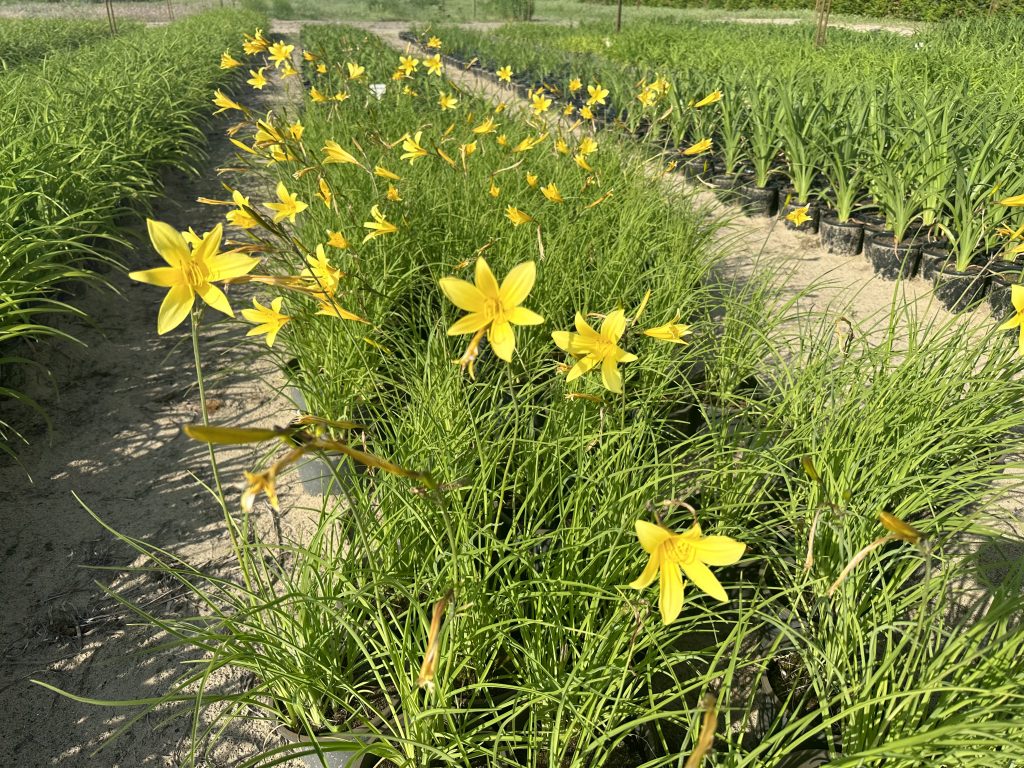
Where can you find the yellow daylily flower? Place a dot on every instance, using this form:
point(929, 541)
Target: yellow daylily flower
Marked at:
point(316, 95)
point(433, 64)
point(309, 55)
point(355, 71)
point(517, 216)
point(1017, 321)
point(492, 308)
point(288, 206)
point(647, 97)
point(693, 553)
point(266, 134)
point(505, 74)
point(225, 103)
point(539, 102)
point(586, 113)
point(288, 70)
point(323, 274)
point(321, 68)
point(467, 149)
point(296, 129)
point(597, 95)
point(551, 193)
point(241, 217)
point(529, 143)
point(413, 149)
point(408, 64)
point(324, 191)
point(487, 126)
point(561, 147)
point(581, 161)
point(340, 96)
point(255, 44)
point(501, 140)
point(191, 271)
point(392, 194)
point(332, 309)
point(258, 81)
point(495, 190)
point(269, 320)
point(798, 215)
point(257, 483)
point(591, 348)
point(587, 146)
point(434, 42)
point(1012, 202)
point(568, 109)
point(575, 84)
point(672, 331)
point(379, 226)
point(531, 179)
point(227, 61)
point(335, 154)
point(280, 52)
point(700, 147)
point(336, 239)
point(711, 98)
point(447, 101)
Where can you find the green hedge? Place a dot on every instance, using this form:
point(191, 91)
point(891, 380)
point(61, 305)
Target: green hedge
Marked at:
point(927, 10)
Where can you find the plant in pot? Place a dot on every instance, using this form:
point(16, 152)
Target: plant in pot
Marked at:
point(961, 278)
point(896, 190)
point(731, 132)
point(763, 147)
point(799, 112)
point(840, 145)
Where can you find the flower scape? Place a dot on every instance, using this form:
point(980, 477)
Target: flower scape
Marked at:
point(584, 501)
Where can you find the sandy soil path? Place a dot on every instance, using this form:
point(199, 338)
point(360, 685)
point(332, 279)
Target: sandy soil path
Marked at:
point(116, 444)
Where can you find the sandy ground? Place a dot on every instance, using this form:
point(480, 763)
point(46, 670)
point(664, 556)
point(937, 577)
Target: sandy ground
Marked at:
point(116, 443)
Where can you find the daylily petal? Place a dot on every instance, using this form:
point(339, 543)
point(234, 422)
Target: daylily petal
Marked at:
point(524, 316)
point(670, 601)
point(1013, 322)
point(210, 244)
point(503, 340)
point(165, 277)
point(625, 357)
point(463, 295)
point(471, 323)
point(517, 284)
point(228, 265)
point(651, 536)
point(583, 327)
point(705, 580)
point(719, 550)
point(610, 376)
point(614, 325)
point(174, 308)
point(1017, 297)
point(168, 242)
point(215, 297)
point(649, 575)
point(583, 365)
point(485, 281)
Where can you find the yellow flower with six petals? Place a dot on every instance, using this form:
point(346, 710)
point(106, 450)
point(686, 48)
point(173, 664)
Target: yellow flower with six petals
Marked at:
point(690, 551)
point(591, 348)
point(269, 320)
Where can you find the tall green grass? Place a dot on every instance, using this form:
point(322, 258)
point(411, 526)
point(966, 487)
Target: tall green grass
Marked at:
point(24, 41)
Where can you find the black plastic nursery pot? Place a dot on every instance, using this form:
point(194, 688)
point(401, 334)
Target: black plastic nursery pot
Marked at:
point(1003, 275)
point(810, 226)
point(890, 259)
point(757, 201)
point(843, 237)
point(698, 168)
point(934, 256)
point(957, 290)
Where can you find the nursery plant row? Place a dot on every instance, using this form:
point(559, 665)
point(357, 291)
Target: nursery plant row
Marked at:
point(541, 411)
point(880, 140)
point(85, 137)
point(927, 10)
point(30, 40)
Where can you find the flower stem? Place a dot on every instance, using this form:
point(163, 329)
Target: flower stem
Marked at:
point(196, 314)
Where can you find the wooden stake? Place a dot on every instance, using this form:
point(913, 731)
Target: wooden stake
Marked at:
point(618, 18)
point(822, 9)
